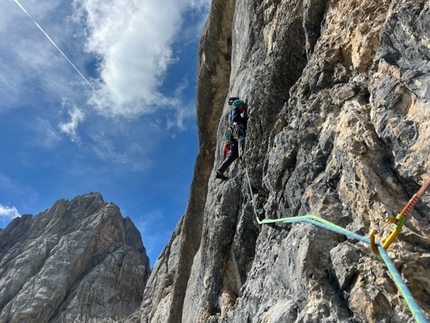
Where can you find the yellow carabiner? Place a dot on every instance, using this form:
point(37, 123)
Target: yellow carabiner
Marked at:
point(372, 242)
point(400, 220)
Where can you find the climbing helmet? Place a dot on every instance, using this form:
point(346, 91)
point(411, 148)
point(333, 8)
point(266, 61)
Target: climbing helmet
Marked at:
point(236, 103)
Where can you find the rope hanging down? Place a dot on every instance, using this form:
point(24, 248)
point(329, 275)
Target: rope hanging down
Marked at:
point(377, 248)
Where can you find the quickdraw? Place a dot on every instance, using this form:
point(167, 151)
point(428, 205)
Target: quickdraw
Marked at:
point(399, 220)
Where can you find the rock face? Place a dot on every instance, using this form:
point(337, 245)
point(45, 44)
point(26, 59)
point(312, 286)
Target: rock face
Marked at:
point(79, 261)
point(339, 127)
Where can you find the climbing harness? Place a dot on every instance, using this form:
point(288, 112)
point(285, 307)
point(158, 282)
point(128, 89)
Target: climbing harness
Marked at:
point(380, 250)
point(399, 220)
point(234, 131)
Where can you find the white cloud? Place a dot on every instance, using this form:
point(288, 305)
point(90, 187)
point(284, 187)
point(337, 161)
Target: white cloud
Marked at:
point(8, 213)
point(184, 110)
point(133, 39)
point(69, 128)
point(131, 43)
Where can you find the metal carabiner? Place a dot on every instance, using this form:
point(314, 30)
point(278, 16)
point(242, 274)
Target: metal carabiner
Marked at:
point(399, 220)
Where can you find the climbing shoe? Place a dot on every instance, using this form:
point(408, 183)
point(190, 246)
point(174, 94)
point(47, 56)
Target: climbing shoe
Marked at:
point(221, 176)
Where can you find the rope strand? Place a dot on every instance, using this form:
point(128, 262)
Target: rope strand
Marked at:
point(320, 222)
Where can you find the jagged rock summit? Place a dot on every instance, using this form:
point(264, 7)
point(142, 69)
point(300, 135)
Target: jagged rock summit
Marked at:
point(79, 261)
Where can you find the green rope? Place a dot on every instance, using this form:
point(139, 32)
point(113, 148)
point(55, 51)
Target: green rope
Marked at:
point(317, 221)
point(252, 195)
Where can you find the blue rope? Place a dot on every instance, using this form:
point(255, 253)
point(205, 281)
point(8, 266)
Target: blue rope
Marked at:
point(409, 299)
point(317, 221)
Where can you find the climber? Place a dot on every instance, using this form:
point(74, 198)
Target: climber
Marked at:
point(235, 135)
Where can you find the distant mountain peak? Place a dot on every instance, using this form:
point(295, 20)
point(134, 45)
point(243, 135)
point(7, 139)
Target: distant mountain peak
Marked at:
point(79, 260)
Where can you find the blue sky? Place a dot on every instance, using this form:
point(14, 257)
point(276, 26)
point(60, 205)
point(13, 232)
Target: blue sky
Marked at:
point(99, 95)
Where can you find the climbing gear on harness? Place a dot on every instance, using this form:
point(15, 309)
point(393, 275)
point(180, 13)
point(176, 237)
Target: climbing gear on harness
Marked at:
point(232, 132)
point(399, 220)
